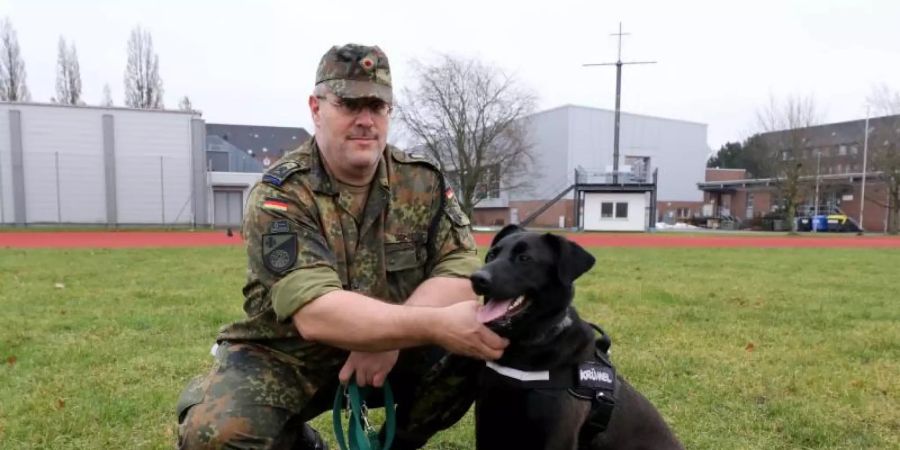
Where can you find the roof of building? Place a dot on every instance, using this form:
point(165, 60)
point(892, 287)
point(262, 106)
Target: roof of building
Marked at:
point(854, 177)
point(238, 160)
point(850, 132)
point(610, 111)
point(196, 113)
point(262, 142)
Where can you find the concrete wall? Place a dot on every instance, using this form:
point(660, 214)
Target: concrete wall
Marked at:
point(91, 165)
point(63, 165)
point(7, 211)
point(550, 174)
point(637, 212)
point(153, 163)
point(567, 137)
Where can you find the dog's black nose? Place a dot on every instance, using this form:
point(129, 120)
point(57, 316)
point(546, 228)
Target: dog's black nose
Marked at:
point(481, 282)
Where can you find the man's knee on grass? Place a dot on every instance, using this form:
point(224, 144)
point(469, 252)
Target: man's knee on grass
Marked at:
point(217, 425)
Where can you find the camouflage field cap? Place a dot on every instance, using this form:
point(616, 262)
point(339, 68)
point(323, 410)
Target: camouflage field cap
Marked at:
point(356, 71)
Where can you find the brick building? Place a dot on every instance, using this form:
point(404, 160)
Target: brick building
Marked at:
point(831, 158)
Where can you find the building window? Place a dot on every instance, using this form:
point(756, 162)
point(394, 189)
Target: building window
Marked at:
point(842, 150)
point(218, 161)
point(640, 167)
point(854, 149)
point(487, 186)
point(617, 210)
point(606, 210)
point(683, 213)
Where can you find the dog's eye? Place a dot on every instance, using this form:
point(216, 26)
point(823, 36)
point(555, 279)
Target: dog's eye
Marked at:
point(490, 255)
point(524, 258)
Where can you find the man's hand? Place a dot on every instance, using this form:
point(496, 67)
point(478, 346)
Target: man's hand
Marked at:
point(370, 368)
point(461, 333)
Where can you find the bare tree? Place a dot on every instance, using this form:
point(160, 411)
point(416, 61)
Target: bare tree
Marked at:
point(884, 101)
point(12, 67)
point(68, 75)
point(107, 96)
point(185, 104)
point(884, 150)
point(471, 119)
point(143, 86)
point(785, 146)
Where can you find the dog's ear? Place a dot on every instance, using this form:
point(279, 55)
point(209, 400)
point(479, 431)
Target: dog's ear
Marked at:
point(506, 231)
point(572, 260)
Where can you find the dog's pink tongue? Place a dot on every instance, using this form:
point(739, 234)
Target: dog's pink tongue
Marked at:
point(492, 310)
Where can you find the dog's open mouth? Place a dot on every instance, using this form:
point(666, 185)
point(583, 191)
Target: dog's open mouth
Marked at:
point(495, 310)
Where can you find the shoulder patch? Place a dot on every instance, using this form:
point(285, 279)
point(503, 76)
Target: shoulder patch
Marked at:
point(280, 226)
point(277, 175)
point(412, 158)
point(279, 251)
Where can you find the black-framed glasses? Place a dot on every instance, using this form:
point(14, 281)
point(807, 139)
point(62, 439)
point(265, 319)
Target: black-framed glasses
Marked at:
point(354, 106)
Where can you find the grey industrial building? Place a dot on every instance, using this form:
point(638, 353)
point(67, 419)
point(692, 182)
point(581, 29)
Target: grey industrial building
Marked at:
point(571, 139)
point(93, 165)
point(86, 165)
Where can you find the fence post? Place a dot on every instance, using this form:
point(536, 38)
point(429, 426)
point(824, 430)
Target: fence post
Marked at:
point(2, 216)
point(58, 199)
point(162, 189)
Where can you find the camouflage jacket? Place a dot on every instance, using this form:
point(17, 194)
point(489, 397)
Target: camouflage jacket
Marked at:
point(302, 240)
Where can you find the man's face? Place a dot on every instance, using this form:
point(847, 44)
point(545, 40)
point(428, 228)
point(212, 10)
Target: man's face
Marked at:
point(350, 132)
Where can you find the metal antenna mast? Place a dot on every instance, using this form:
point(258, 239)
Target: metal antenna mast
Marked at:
point(618, 65)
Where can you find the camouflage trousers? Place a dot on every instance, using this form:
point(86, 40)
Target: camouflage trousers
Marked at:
point(256, 397)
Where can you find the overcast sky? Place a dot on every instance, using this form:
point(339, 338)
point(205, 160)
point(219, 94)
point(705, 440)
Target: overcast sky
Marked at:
point(253, 62)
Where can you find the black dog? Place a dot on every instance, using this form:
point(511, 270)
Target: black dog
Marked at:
point(553, 388)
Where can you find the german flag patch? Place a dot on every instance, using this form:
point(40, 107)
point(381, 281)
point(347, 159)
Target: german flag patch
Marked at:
point(274, 204)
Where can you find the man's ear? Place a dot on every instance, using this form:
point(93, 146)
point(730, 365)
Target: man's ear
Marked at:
point(506, 231)
point(314, 108)
point(572, 260)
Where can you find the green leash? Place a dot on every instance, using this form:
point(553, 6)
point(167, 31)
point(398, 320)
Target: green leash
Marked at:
point(361, 435)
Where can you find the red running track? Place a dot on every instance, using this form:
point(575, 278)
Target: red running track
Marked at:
point(141, 239)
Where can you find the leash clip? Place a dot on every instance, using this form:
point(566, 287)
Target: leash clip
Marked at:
point(364, 415)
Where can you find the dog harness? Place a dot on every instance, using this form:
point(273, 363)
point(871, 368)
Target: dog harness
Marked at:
point(593, 380)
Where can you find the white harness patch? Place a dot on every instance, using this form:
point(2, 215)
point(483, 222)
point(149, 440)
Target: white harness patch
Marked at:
point(521, 375)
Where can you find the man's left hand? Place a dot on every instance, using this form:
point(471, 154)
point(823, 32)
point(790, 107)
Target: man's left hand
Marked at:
point(369, 368)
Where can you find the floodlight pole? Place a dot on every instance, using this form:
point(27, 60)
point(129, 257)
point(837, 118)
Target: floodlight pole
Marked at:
point(816, 206)
point(862, 197)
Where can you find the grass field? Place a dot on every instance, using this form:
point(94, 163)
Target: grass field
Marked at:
point(740, 349)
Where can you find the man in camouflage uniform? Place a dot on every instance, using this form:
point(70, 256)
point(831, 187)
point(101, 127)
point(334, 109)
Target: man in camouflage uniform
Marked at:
point(355, 250)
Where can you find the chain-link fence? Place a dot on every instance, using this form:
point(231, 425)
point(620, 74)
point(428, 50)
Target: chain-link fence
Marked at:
point(78, 188)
